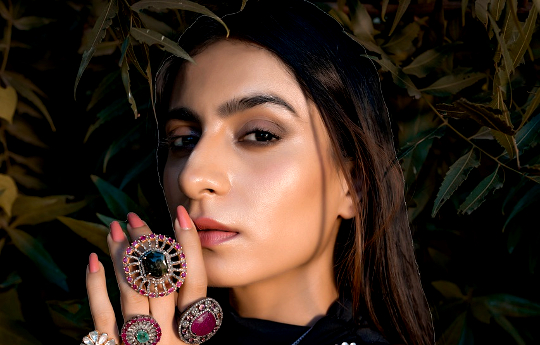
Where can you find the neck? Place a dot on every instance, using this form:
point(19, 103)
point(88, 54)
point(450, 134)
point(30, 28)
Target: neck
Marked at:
point(299, 297)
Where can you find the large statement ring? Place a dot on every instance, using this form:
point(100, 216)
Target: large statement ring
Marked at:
point(201, 321)
point(141, 330)
point(155, 265)
point(96, 338)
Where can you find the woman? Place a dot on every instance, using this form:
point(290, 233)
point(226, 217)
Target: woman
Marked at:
point(280, 175)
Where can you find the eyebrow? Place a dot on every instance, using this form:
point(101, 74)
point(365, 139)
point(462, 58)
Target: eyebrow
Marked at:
point(231, 107)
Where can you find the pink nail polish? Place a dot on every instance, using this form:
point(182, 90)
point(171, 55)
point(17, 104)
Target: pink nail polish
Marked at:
point(134, 220)
point(183, 218)
point(116, 232)
point(93, 263)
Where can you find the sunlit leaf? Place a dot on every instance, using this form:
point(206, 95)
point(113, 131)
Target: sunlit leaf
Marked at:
point(178, 5)
point(518, 49)
point(508, 142)
point(32, 211)
point(154, 24)
point(8, 103)
point(480, 192)
point(529, 198)
point(151, 37)
point(119, 203)
point(453, 83)
point(457, 173)
point(96, 36)
point(529, 135)
point(496, 8)
point(28, 90)
point(402, 7)
point(453, 334)
point(127, 87)
point(96, 234)
point(482, 114)
point(448, 289)
point(8, 193)
point(31, 22)
point(384, 6)
point(39, 255)
point(244, 2)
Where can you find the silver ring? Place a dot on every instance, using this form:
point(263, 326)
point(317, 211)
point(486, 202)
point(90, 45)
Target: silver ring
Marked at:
point(200, 321)
point(97, 338)
point(141, 330)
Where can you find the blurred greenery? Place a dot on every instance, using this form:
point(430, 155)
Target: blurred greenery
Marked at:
point(461, 80)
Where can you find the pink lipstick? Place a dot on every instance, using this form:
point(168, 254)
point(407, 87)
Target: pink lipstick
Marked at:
point(211, 232)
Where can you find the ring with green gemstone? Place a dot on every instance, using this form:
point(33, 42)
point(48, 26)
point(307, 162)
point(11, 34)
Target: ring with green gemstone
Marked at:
point(155, 265)
point(97, 338)
point(141, 330)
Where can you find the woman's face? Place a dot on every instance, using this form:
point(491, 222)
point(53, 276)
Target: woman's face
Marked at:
point(251, 161)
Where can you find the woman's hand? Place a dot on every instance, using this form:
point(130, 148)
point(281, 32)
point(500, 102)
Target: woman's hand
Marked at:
point(163, 309)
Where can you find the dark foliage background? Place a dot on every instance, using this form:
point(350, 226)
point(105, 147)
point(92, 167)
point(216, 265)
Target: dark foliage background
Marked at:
point(461, 81)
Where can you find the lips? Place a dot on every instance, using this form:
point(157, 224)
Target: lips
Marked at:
point(212, 233)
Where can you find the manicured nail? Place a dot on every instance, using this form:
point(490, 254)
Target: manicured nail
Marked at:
point(183, 218)
point(116, 232)
point(93, 263)
point(134, 220)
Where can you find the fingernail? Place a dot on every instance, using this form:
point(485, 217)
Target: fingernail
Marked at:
point(116, 232)
point(134, 220)
point(183, 218)
point(93, 263)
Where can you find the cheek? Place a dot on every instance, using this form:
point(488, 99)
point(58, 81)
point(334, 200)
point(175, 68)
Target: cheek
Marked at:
point(170, 184)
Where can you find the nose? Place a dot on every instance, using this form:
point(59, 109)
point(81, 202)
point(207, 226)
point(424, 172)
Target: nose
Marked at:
point(205, 172)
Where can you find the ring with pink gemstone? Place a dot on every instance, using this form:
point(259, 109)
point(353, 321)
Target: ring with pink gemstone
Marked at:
point(155, 265)
point(200, 322)
point(97, 338)
point(141, 330)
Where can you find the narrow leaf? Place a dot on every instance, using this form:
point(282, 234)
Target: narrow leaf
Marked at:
point(481, 10)
point(108, 220)
point(452, 84)
point(127, 86)
point(504, 323)
point(35, 210)
point(513, 306)
point(154, 24)
point(400, 78)
point(508, 142)
point(464, 4)
point(8, 103)
point(31, 22)
point(179, 5)
point(119, 203)
point(508, 65)
point(426, 62)
point(96, 234)
point(482, 114)
point(448, 289)
point(529, 198)
point(455, 176)
point(496, 8)
point(8, 193)
point(39, 255)
point(130, 136)
point(421, 137)
point(529, 135)
point(96, 36)
point(402, 43)
point(532, 106)
point(383, 9)
point(244, 2)
point(480, 192)
point(151, 37)
point(518, 49)
point(453, 334)
point(402, 7)
point(141, 166)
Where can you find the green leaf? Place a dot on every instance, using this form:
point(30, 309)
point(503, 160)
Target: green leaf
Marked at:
point(96, 36)
point(141, 166)
point(154, 24)
point(28, 90)
point(8, 103)
point(402, 7)
point(479, 193)
point(518, 49)
point(132, 135)
point(113, 110)
point(513, 306)
point(507, 325)
point(8, 193)
point(96, 234)
point(105, 87)
point(529, 135)
point(508, 66)
point(178, 5)
point(481, 10)
point(151, 37)
point(483, 114)
point(427, 61)
point(448, 289)
point(534, 103)
point(119, 203)
point(401, 44)
point(455, 332)
point(33, 210)
point(480, 309)
point(453, 83)
point(37, 253)
point(421, 137)
point(244, 2)
point(400, 78)
point(31, 22)
point(529, 198)
point(108, 220)
point(455, 176)
point(508, 142)
point(127, 87)
point(496, 8)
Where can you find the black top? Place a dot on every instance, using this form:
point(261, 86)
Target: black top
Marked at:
point(336, 327)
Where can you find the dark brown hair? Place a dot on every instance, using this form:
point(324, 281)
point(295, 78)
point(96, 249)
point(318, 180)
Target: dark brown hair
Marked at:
point(374, 258)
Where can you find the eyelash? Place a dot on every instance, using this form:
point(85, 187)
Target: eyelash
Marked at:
point(169, 142)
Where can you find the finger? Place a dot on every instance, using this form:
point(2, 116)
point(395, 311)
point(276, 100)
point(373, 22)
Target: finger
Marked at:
point(100, 304)
point(132, 303)
point(162, 308)
point(196, 283)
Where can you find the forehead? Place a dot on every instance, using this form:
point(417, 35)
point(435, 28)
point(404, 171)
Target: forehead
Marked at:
point(230, 69)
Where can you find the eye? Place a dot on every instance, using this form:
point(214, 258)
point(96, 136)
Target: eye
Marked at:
point(260, 136)
point(182, 142)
